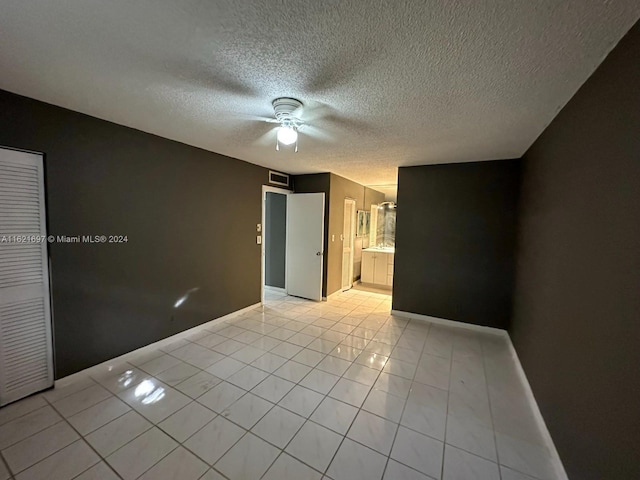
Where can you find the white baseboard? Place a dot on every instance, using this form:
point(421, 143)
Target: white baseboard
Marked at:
point(154, 346)
point(450, 323)
point(559, 467)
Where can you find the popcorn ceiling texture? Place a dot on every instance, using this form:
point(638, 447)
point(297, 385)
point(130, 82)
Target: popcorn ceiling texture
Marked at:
point(397, 82)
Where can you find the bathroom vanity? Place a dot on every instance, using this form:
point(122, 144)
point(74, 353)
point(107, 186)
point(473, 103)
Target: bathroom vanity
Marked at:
point(377, 266)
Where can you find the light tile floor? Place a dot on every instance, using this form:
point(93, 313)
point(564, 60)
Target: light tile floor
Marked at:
point(296, 390)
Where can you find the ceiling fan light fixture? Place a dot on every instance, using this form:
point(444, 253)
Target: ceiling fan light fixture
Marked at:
point(287, 135)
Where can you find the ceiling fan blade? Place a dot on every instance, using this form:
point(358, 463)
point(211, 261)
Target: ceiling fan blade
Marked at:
point(317, 134)
point(314, 111)
point(258, 118)
point(267, 139)
point(249, 132)
point(200, 74)
point(341, 67)
point(345, 123)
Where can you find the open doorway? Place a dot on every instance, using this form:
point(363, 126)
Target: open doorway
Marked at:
point(274, 241)
point(377, 251)
point(292, 243)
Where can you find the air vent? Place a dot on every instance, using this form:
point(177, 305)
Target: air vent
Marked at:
point(277, 178)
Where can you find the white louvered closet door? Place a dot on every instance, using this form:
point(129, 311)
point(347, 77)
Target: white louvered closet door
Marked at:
point(26, 363)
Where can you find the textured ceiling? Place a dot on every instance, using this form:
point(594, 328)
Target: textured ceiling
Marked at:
point(386, 83)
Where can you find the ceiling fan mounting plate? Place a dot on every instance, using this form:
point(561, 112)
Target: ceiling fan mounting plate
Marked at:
point(285, 109)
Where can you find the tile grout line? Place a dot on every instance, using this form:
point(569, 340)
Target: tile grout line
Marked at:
point(406, 401)
point(371, 388)
point(81, 438)
point(275, 404)
point(446, 417)
point(306, 419)
point(97, 382)
point(493, 427)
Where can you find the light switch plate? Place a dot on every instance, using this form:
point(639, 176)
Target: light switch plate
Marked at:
point(259, 227)
point(259, 239)
point(333, 238)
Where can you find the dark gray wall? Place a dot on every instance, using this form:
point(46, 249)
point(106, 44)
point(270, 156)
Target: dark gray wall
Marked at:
point(275, 239)
point(190, 217)
point(455, 241)
point(576, 324)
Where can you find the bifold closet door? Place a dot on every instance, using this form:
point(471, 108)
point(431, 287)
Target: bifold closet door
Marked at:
point(26, 361)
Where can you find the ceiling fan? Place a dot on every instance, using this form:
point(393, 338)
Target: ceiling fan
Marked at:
point(288, 112)
point(313, 119)
point(292, 118)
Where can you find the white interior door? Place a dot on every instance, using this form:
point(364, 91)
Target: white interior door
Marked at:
point(26, 363)
point(305, 244)
point(348, 238)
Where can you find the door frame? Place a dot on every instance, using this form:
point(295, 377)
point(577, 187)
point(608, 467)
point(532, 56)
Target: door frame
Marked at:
point(282, 191)
point(352, 242)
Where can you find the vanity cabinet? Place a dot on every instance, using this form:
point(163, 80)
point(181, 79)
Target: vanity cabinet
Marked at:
point(377, 267)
